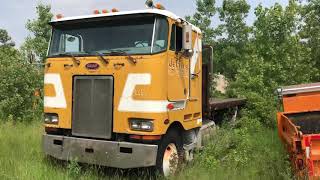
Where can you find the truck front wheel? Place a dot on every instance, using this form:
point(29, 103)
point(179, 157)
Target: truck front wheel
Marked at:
point(170, 153)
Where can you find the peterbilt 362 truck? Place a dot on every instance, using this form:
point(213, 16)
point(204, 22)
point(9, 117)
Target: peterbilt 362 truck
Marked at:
point(129, 89)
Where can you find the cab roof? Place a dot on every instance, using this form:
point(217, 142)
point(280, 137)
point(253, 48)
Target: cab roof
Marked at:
point(121, 13)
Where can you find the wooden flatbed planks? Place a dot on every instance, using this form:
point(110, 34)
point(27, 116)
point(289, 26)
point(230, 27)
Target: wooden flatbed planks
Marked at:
point(218, 104)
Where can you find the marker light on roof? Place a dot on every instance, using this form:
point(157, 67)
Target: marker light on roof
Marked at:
point(59, 16)
point(114, 10)
point(96, 12)
point(159, 6)
point(104, 11)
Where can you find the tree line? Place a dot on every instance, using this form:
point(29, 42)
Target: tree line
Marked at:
point(280, 48)
point(19, 69)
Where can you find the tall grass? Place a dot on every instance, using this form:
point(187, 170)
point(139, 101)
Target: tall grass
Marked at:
point(246, 150)
point(21, 156)
point(233, 153)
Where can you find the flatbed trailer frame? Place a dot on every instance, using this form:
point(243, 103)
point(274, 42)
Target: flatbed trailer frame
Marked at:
point(218, 104)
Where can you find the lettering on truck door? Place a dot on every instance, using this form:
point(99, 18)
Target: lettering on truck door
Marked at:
point(178, 67)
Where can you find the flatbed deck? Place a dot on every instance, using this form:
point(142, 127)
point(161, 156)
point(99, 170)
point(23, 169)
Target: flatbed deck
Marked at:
point(218, 104)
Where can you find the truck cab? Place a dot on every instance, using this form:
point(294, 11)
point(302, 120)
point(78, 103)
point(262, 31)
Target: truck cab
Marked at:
point(127, 90)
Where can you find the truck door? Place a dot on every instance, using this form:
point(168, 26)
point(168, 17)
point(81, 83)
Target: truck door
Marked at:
point(178, 67)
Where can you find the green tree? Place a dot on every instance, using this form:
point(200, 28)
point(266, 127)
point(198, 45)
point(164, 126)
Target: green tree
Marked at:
point(278, 58)
point(202, 18)
point(310, 31)
point(37, 44)
point(232, 45)
point(18, 81)
point(232, 15)
point(277, 42)
point(5, 39)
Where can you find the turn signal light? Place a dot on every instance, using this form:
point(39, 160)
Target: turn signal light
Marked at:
point(170, 106)
point(96, 12)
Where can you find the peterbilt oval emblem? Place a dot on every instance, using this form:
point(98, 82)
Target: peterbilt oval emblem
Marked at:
point(92, 66)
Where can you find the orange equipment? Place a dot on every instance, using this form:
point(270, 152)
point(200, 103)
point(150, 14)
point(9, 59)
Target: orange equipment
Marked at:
point(299, 127)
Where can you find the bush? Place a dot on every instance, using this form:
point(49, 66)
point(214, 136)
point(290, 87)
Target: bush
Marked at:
point(18, 82)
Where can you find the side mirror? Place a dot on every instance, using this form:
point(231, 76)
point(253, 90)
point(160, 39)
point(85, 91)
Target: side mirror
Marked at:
point(187, 38)
point(207, 57)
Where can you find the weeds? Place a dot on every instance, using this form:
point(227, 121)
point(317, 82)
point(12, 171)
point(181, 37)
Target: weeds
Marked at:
point(74, 168)
point(245, 150)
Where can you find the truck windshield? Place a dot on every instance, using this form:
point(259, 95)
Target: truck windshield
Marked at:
point(143, 35)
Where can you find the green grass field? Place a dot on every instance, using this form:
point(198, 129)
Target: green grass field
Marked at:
point(233, 154)
point(21, 156)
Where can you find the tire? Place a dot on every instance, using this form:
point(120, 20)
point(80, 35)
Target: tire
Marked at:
point(170, 153)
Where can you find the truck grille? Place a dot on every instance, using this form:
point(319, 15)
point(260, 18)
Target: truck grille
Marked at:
point(92, 106)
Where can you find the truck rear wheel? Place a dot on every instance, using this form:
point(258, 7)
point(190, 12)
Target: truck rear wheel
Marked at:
point(170, 153)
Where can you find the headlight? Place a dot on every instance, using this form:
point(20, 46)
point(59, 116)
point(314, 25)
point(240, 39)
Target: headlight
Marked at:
point(141, 124)
point(51, 118)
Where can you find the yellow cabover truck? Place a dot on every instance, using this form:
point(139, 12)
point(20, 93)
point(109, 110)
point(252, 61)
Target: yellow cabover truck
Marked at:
point(128, 89)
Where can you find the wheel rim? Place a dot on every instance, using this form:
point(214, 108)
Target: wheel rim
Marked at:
point(170, 160)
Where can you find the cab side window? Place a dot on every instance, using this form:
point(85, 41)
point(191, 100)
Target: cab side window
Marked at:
point(176, 38)
point(173, 38)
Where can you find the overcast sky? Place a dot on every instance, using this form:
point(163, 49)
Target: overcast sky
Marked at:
point(15, 13)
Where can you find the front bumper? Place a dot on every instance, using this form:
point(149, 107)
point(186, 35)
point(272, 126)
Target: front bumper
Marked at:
point(106, 153)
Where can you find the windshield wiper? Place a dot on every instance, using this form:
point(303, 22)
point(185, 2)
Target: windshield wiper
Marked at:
point(120, 53)
point(67, 54)
point(95, 53)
